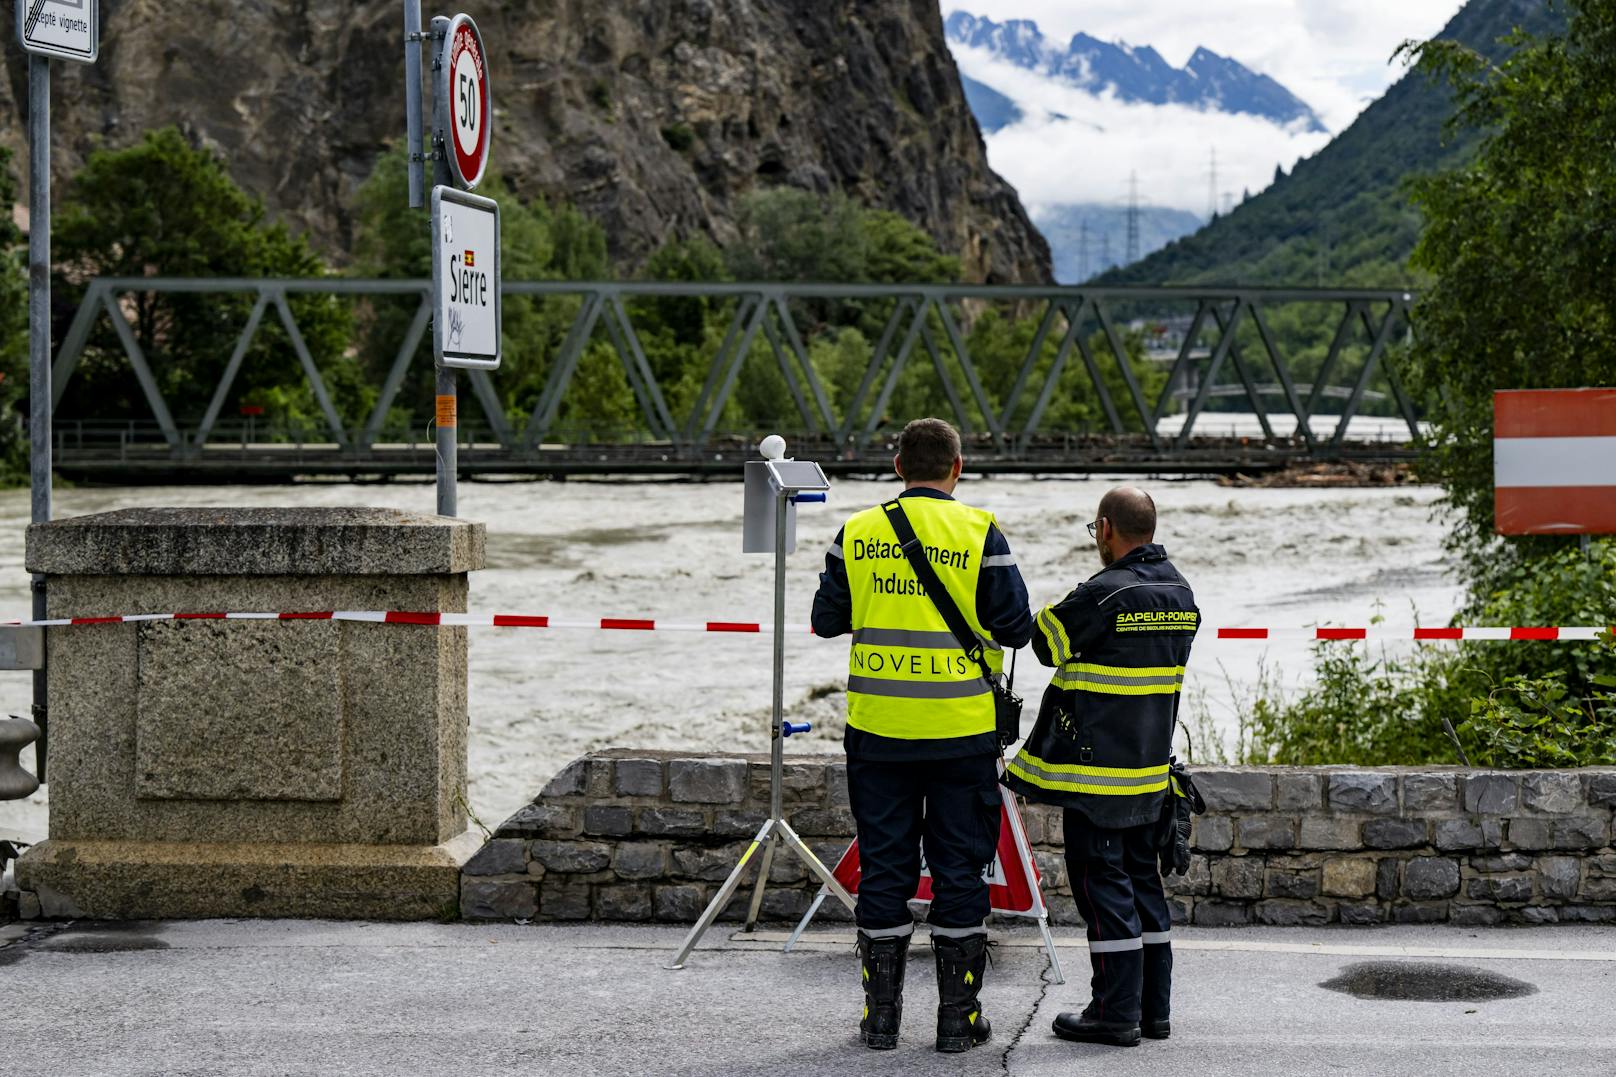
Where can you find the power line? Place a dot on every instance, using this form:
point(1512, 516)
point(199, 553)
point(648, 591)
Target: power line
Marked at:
point(1133, 217)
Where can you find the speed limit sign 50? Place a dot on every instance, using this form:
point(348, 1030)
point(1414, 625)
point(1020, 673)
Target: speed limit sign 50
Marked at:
point(463, 97)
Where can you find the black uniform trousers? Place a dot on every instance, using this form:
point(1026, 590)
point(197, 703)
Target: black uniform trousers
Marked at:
point(952, 806)
point(1119, 895)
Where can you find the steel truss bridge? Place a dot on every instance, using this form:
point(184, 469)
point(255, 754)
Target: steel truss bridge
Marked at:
point(1218, 332)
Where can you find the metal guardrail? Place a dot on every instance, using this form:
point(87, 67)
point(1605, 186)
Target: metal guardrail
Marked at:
point(928, 319)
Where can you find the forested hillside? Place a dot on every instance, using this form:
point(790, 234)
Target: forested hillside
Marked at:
point(1344, 216)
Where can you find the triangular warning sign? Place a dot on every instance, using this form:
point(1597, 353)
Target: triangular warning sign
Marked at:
point(1012, 877)
point(1013, 882)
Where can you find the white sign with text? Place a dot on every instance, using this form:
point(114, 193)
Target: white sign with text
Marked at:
point(465, 280)
point(63, 29)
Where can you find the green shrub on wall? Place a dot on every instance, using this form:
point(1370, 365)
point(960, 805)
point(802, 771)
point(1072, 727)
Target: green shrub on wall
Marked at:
point(1512, 703)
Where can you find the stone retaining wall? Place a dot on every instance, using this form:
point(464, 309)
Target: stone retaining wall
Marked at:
point(638, 836)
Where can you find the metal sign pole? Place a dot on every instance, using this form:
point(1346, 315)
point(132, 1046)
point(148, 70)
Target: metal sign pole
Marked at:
point(448, 404)
point(39, 344)
point(416, 157)
point(447, 445)
point(71, 30)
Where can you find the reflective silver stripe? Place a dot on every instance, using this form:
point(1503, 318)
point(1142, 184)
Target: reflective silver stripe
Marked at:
point(1084, 778)
point(1055, 635)
point(1107, 678)
point(889, 932)
point(1116, 946)
point(999, 560)
point(1131, 586)
point(907, 637)
point(904, 637)
point(957, 932)
point(1157, 938)
point(880, 686)
point(836, 552)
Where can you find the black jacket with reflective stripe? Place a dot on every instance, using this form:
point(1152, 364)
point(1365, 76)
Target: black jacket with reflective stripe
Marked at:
point(1119, 644)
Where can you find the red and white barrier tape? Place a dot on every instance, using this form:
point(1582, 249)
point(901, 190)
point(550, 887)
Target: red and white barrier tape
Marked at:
point(639, 624)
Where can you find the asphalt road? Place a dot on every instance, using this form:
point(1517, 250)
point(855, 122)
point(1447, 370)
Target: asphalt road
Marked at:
point(295, 997)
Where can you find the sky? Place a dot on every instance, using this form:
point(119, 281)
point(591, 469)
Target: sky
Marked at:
point(1333, 54)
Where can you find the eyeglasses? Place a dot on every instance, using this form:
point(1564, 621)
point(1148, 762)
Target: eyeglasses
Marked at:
point(1095, 527)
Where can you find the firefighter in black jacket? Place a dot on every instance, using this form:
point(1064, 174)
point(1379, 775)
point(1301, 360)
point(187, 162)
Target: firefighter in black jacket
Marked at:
point(1101, 748)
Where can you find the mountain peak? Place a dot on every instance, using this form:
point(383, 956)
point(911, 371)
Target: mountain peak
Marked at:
point(1134, 72)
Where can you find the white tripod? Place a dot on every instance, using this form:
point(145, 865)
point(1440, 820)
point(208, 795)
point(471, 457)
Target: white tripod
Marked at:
point(784, 482)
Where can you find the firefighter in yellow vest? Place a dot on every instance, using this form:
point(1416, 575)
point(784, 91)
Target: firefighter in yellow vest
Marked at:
point(921, 744)
point(1101, 749)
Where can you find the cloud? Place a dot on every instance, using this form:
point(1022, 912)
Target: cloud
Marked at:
point(1331, 53)
point(1074, 146)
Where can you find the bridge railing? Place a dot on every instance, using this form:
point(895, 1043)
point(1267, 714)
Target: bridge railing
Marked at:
point(1214, 333)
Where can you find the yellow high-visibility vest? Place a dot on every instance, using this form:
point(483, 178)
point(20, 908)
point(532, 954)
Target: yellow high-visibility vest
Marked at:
point(908, 677)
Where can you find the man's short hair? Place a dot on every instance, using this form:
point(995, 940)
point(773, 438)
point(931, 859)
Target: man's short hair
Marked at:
point(1131, 511)
point(927, 449)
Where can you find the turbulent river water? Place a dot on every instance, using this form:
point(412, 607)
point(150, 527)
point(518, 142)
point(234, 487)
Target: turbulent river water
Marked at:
point(539, 698)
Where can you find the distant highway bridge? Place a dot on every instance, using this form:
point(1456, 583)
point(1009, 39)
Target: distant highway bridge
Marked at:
point(1224, 348)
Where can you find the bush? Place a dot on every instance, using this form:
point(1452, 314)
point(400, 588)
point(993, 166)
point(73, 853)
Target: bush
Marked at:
point(1368, 708)
point(1511, 703)
point(1536, 722)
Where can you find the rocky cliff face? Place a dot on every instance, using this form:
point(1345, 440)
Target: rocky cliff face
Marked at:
point(653, 116)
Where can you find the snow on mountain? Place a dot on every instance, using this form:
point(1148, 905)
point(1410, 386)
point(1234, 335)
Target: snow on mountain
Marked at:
point(1136, 73)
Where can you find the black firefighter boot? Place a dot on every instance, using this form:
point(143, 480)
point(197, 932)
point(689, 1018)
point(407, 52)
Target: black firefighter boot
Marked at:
point(882, 962)
point(960, 965)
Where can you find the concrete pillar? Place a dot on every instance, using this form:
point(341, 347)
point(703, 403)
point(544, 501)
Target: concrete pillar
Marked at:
point(206, 768)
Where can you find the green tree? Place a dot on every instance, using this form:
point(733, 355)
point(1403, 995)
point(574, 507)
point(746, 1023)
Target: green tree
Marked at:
point(898, 251)
point(682, 333)
point(1343, 217)
point(163, 207)
point(538, 241)
point(795, 235)
point(1522, 251)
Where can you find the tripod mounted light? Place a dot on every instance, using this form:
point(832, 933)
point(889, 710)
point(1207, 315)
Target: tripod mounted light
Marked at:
point(775, 486)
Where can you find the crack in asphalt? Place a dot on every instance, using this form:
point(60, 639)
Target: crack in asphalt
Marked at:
point(1038, 1004)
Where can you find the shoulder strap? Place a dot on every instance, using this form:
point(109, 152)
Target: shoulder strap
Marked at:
point(916, 553)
